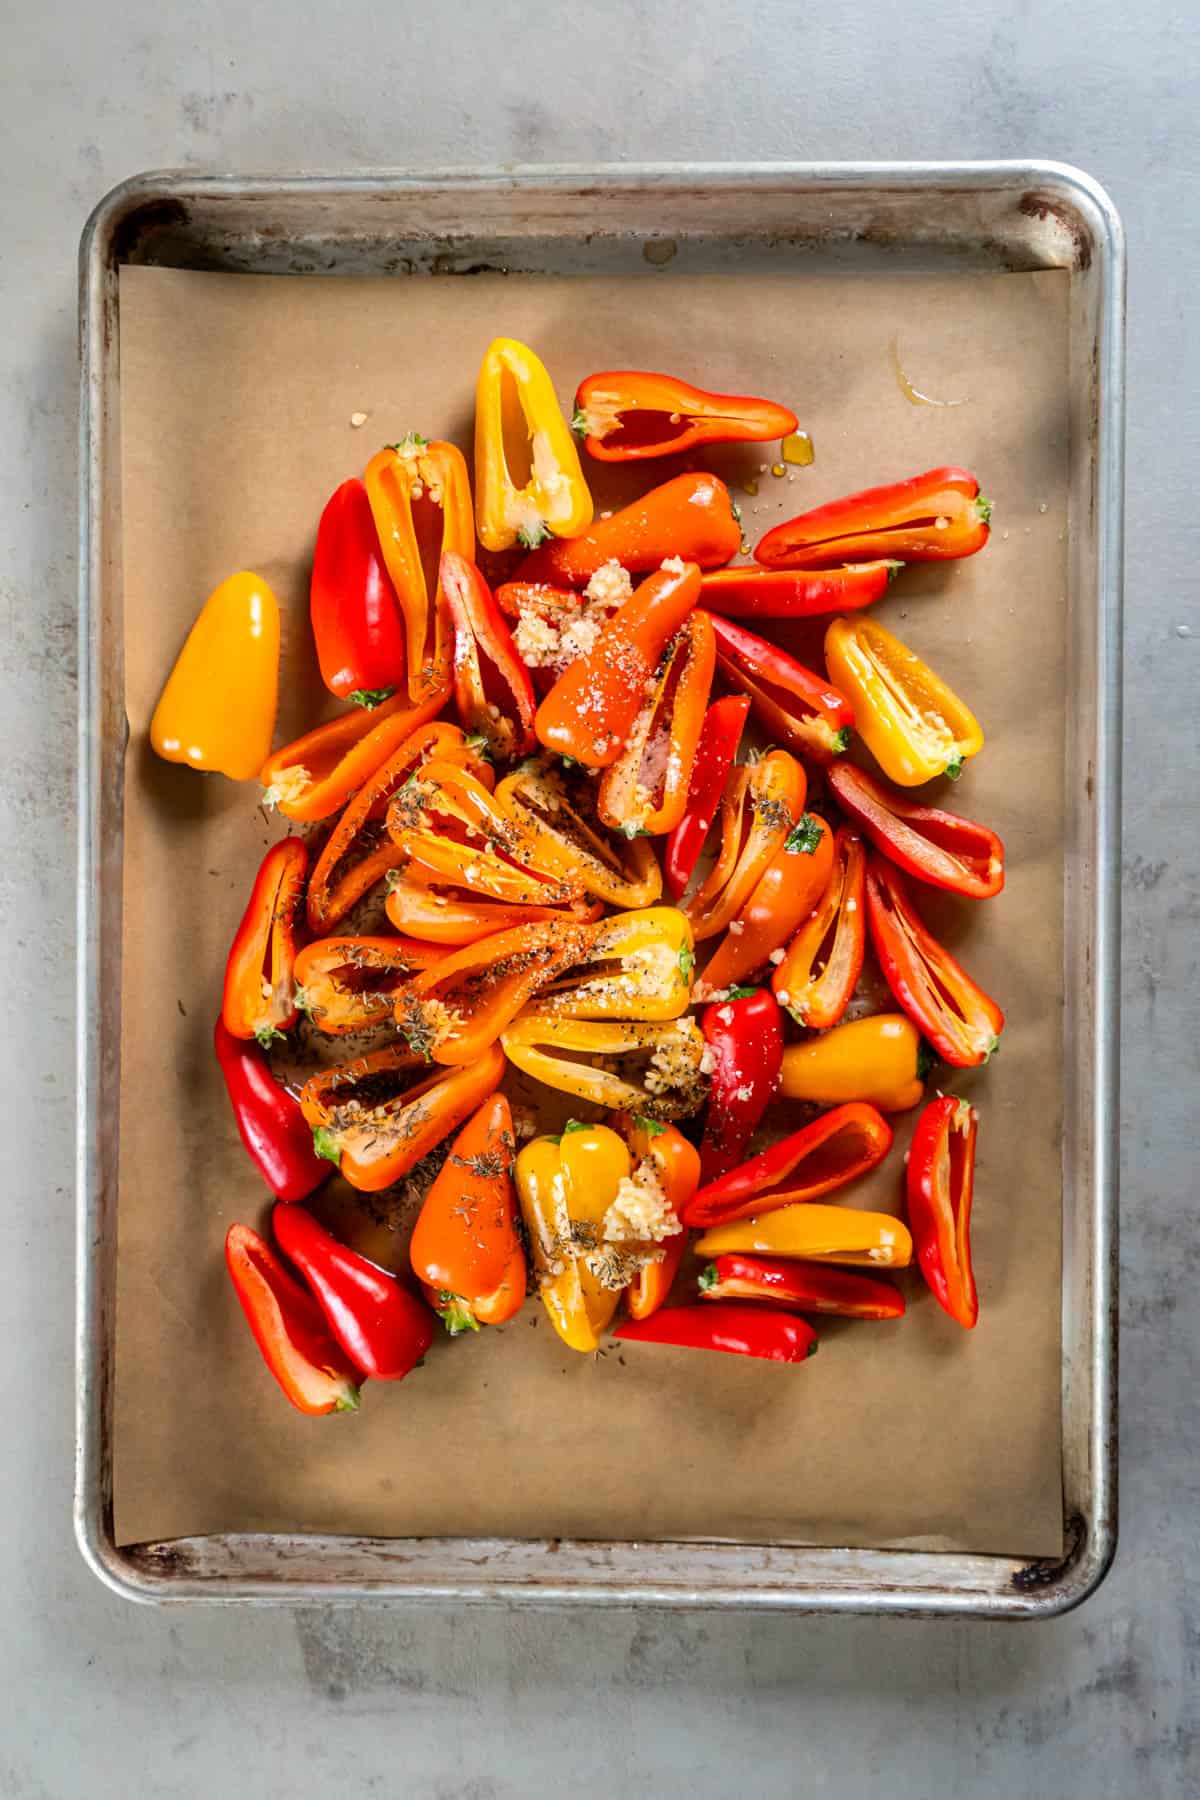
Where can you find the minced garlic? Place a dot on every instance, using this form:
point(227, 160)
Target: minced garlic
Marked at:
point(640, 1212)
point(610, 585)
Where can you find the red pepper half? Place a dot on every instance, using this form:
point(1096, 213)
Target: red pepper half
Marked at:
point(277, 1136)
point(929, 518)
point(745, 1035)
point(835, 1149)
point(356, 620)
point(380, 1326)
point(259, 999)
point(740, 1330)
point(492, 689)
point(720, 736)
point(288, 1328)
point(940, 1182)
point(961, 1022)
point(797, 707)
point(937, 847)
point(630, 415)
point(807, 1286)
point(749, 593)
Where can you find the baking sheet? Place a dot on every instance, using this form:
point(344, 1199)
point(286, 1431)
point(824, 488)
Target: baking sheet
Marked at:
point(237, 394)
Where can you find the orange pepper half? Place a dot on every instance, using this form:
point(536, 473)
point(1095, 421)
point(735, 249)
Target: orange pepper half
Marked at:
point(466, 1249)
point(824, 960)
point(349, 983)
point(561, 816)
point(438, 913)
point(589, 712)
point(646, 789)
point(260, 988)
point(376, 1117)
point(314, 775)
point(358, 853)
point(449, 825)
point(458, 1007)
point(793, 881)
point(762, 803)
point(420, 495)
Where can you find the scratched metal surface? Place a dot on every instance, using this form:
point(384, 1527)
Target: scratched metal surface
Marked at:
point(102, 1699)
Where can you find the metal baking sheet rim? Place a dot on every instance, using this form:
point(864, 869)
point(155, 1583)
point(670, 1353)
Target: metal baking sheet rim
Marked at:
point(999, 214)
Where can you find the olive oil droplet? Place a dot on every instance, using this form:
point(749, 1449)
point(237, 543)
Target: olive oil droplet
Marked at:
point(797, 449)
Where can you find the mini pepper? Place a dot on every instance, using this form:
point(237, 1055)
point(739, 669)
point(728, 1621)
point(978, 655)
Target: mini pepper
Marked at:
point(940, 1181)
point(914, 725)
point(631, 415)
point(465, 1248)
point(928, 518)
point(259, 998)
point(420, 500)
point(528, 480)
point(217, 710)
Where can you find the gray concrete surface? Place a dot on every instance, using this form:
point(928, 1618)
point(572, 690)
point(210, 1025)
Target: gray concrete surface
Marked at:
point(98, 1699)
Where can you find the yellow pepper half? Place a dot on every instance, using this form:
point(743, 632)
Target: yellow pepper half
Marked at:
point(914, 726)
point(880, 1059)
point(641, 965)
point(832, 1234)
point(618, 870)
point(217, 710)
point(566, 1186)
point(528, 479)
point(673, 1083)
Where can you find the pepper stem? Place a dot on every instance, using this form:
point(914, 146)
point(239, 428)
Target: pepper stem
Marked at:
point(457, 1316)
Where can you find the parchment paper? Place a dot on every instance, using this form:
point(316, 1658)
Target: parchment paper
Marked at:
point(237, 394)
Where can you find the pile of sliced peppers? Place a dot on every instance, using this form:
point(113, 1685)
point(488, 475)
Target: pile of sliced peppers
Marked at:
point(558, 847)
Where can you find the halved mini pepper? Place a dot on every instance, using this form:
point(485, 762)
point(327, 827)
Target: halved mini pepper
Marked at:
point(745, 1036)
point(741, 1330)
point(671, 1054)
point(561, 819)
point(272, 1128)
point(938, 847)
point(690, 517)
point(289, 1328)
point(645, 791)
point(834, 1149)
point(762, 804)
point(448, 824)
point(796, 707)
point(259, 998)
point(940, 1181)
point(458, 1007)
point(376, 1117)
point(528, 480)
point(832, 1234)
point(349, 983)
point(566, 1186)
point(466, 1250)
point(961, 1022)
point(824, 960)
point(914, 726)
point(676, 1167)
point(492, 689)
point(637, 966)
point(786, 893)
point(879, 1059)
point(438, 913)
point(720, 736)
point(589, 712)
point(793, 1284)
point(926, 519)
point(316, 774)
point(217, 710)
point(631, 415)
point(356, 622)
point(749, 593)
point(380, 1326)
point(358, 851)
point(420, 497)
